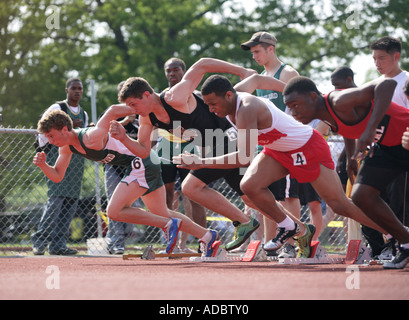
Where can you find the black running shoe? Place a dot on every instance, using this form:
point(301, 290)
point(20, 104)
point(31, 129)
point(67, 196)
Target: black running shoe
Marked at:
point(400, 261)
point(282, 236)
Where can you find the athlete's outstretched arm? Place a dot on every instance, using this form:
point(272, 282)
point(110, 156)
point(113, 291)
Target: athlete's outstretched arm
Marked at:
point(247, 133)
point(180, 93)
point(259, 81)
point(114, 112)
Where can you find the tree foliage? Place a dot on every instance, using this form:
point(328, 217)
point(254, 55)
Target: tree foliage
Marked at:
point(44, 42)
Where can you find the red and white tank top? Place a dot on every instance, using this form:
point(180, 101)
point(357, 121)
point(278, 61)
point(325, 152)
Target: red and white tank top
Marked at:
point(389, 131)
point(285, 133)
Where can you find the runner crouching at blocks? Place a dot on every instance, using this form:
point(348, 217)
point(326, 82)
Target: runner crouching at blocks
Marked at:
point(256, 116)
point(143, 177)
point(372, 127)
point(289, 148)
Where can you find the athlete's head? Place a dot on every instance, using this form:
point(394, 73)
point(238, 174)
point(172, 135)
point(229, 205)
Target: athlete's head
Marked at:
point(389, 44)
point(217, 84)
point(300, 96)
point(136, 93)
point(300, 85)
point(134, 87)
point(175, 68)
point(259, 38)
point(262, 46)
point(343, 78)
point(74, 90)
point(55, 119)
point(218, 93)
point(386, 54)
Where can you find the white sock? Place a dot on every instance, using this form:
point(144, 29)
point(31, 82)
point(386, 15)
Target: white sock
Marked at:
point(287, 224)
point(207, 236)
point(168, 224)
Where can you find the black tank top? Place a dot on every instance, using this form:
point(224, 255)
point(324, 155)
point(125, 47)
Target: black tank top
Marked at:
point(201, 126)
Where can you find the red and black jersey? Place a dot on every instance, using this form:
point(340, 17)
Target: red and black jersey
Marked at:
point(389, 131)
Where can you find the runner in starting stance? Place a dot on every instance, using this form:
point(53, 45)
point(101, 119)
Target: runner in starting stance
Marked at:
point(372, 127)
point(143, 178)
point(289, 148)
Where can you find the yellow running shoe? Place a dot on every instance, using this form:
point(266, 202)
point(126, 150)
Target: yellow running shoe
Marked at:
point(304, 242)
point(242, 233)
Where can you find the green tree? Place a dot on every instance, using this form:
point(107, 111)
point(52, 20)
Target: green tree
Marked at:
point(316, 36)
point(37, 58)
point(144, 34)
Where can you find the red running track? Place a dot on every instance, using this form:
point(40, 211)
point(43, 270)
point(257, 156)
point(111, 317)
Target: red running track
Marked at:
point(83, 278)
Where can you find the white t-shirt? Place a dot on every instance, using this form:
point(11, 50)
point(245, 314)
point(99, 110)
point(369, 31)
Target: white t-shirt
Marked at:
point(399, 97)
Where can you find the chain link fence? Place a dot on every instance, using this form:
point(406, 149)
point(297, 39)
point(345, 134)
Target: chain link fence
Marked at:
point(24, 194)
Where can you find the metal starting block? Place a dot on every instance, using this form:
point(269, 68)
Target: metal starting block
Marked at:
point(149, 254)
point(219, 255)
point(318, 256)
point(357, 253)
point(255, 252)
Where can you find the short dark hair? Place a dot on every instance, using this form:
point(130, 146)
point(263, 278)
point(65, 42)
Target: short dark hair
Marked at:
point(178, 61)
point(134, 87)
point(69, 82)
point(217, 84)
point(54, 119)
point(301, 85)
point(343, 73)
point(389, 44)
point(119, 86)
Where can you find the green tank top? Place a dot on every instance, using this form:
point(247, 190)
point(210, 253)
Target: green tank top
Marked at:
point(274, 96)
point(115, 153)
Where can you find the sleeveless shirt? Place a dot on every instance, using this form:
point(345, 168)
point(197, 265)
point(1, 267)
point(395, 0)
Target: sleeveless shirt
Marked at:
point(274, 96)
point(200, 127)
point(389, 131)
point(285, 133)
point(114, 152)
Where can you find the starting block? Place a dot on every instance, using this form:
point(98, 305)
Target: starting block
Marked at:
point(255, 252)
point(149, 254)
point(357, 253)
point(318, 256)
point(219, 255)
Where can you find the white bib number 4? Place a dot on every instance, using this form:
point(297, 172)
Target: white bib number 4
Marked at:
point(299, 159)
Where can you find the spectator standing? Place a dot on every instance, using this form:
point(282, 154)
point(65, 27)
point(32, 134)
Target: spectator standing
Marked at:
point(386, 53)
point(54, 226)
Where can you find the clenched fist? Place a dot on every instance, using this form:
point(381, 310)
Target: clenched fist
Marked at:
point(39, 159)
